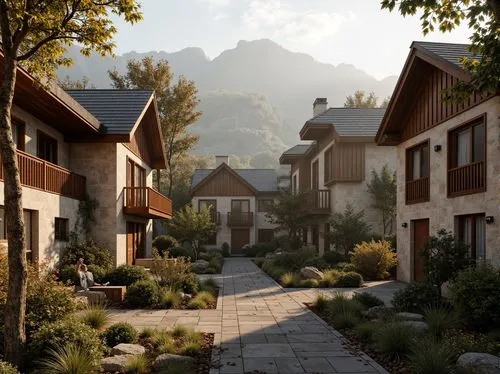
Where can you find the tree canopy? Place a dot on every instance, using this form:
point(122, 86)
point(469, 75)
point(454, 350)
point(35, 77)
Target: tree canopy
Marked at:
point(383, 187)
point(361, 100)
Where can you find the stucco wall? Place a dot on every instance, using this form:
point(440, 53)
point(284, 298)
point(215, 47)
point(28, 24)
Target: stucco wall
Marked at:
point(442, 210)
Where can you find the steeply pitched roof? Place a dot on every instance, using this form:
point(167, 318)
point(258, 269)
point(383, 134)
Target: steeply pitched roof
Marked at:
point(117, 110)
point(449, 52)
point(298, 150)
point(350, 121)
point(262, 180)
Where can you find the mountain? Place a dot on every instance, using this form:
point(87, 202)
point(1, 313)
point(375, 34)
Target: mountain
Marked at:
point(254, 98)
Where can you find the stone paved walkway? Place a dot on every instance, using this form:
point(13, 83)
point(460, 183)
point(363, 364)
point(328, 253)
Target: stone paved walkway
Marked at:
point(261, 328)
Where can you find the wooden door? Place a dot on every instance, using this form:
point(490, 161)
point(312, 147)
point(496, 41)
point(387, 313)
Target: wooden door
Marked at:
point(130, 243)
point(420, 235)
point(136, 241)
point(239, 238)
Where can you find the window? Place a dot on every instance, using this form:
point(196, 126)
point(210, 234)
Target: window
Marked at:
point(417, 173)
point(46, 147)
point(471, 231)
point(28, 232)
point(19, 133)
point(62, 229)
point(315, 175)
point(264, 205)
point(265, 236)
point(468, 144)
point(294, 185)
point(136, 175)
point(328, 164)
point(240, 206)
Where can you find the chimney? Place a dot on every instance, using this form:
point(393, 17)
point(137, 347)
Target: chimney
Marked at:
point(320, 105)
point(219, 160)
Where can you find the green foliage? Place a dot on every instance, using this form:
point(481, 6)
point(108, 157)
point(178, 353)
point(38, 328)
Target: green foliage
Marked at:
point(98, 272)
point(290, 279)
point(259, 249)
point(170, 299)
point(121, 332)
point(293, 261)
point(415, 297)
point(317, 262)
point(333, 257)
point(329, 278)
point(444, 257)
point(382, 188)
point(92, 254)
point(63, 333)
point(366, 330)
point(348, 229)
point(86, 218)
point(137, 365)
point(179, 331)
point(439, 320)
point(367, 300)
point(394, 338)
point(321, 302)
point(273, 271)
point(6, 368)
point(95, 316)
point(430, 357)
point(226, 250)
point(348, 268)
point(176, 274)
point(349, 280)
point(259, 262)
point(164, 243)
point(177, 252)
point(373, 260)
point(361, 100)
point(205, 296)
point(209, 285)
point(196, 303)
point(147, 333)
point(457, 342)
point(345, 320)
point(475, 295)
point(125, 275)
point(143, 293)
point(308, 283)
point(340, 304)
point(68, 274)
point(190, 349)
point(69, 359)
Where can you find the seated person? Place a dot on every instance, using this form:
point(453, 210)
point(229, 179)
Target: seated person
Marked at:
point(86, 277)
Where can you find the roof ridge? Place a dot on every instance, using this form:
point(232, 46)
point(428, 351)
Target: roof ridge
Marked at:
point(110, 89)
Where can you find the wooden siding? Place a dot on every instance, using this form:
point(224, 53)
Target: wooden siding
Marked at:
point(139, 143)
point(224, 183)
point(430, 109)
point(346, 163)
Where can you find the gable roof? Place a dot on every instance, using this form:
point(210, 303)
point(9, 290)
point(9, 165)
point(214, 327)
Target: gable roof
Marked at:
point(117, 110)
point(258, 180)
point(295, 153)
point(450, 52)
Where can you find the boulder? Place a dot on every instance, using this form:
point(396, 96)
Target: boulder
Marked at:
point(115, 363)
point(418, 326)
point(378, 312)
point(310, 272)
point(128, 349)
point(410, 316)
point(186, 296)
point(482, 363)
point(200, 266)
point(163, 361)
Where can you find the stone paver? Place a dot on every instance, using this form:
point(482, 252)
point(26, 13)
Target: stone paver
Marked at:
point(259, 326)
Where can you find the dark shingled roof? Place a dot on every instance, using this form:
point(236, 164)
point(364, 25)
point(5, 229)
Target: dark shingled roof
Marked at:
point(298, 150)
point(351, 121)
point(450, 52)
point(263, 180)
point(117, 110)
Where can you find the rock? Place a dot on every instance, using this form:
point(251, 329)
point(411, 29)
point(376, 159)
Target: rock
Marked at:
point(410, 316)
point(310, 272)
point(200, 266)
point(482, 363)
point(115, 363)
point(163, 361)
point(128, 349)
point(378, 312)
point(418, 326)
point(186, 296)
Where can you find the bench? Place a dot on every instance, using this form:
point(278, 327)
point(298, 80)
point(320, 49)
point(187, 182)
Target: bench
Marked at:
point(114, 294)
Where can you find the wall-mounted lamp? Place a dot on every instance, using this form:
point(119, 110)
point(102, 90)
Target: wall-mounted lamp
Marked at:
point(404, 224)
point(489, 219)
point(437, 148)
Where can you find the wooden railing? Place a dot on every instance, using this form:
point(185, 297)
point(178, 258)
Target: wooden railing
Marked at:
point(319, 201)
point(240, 219)
point(43, 175)
point(215, 216)
point(467, 179)
point(146, 201)
point(417, 190)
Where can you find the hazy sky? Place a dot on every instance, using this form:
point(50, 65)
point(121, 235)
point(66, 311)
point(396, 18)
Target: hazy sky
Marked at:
point(332, 31)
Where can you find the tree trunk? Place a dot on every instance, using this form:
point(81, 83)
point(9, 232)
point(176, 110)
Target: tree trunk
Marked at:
point(14, 334)
point(170, 178)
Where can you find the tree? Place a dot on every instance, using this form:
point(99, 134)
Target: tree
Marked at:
point(483, 17)
point(383, 187)
point(68, 84)
point(193, 227)
point(177, 106)
point(35, 34)
point(360, 100)
point(348, 229)
point(290, 213)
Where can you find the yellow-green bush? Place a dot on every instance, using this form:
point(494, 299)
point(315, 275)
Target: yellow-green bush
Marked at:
point(373, 259)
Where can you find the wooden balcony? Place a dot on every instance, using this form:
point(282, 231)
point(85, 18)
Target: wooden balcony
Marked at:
point(467, 179)
point(46, 176)
point(318, 201)
point(417, 191)
point(240, 219)
point(146, 202)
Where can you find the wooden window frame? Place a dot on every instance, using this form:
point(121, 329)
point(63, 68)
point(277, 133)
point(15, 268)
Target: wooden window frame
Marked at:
point(460, 227)
point(40, 135)
point(61, 233)
point(328, 164)
point(240, 200)
point(294, 184)
point(131, 165)
point(452, 154)
point(425, 181)
point(21, 133)
point(262, 209)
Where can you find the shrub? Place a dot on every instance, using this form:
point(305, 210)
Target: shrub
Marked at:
point(69, 359)
point(308, 283)
point(340, 304)
point(439, 319)
point(349, 280)
point(95, 316)
point(207, 297)
point(317, 262)
point(121, 332)
point(259, 262)
point(6, 368)
point(176, 274)
point(475, 295)
point(329, 278)
point(259, 249)
point(366, 330)
point(180, 331)
point(89, 251)
point(170, 299)
point(273, 271)
point(125, 275)
point(196, 304)
point(290, 280)
point(373, 260)
point(394, 338)
point(98, 272)
point(209, 285)
point(367, 300)
point(177, 252)
point(226, 250)
point(68, 274)
point(345, 320)
point(348, 267)
point(429, 357)
point(321, 302)
point(293, 261)
point(333, 257)
point(147, 333)
point(144, 293)
point(415, 297)
point(63, 333)
point(137, 365)
point(164, 243)
point(457, 342)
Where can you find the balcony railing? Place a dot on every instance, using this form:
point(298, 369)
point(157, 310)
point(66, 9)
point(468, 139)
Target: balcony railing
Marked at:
point(318, 201)
point(46, 176)
point(146, 202)
point(467, 179)
point(244, 219)
point(417, 190)
point(215, 216)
